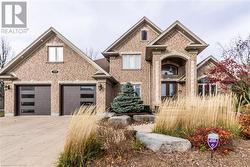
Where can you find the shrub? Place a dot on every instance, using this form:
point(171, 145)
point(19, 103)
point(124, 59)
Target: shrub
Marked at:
point(127, 101)
point(245, 123)
point(180, 117)
point(146, 109)
point(82, 143)
point(199, 138)
point(115, 138)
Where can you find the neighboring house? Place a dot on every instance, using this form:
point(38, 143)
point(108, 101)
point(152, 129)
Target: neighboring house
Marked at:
point(54, 77)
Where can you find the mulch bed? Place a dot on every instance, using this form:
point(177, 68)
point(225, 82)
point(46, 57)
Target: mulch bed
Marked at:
point(240, 157)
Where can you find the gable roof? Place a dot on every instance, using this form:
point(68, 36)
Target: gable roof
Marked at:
point(143, 20)
point(30, 49)
point(209, 58)
point(180, 26)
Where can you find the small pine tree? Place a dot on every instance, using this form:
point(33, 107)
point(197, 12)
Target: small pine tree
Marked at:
point(127, 100)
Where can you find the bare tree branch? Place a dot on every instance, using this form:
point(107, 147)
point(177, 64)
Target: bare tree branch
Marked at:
point(5, 51)
point(239, 50)
point(91, 53)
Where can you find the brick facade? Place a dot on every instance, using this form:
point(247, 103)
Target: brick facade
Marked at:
point(36, 70)
point(176, 45)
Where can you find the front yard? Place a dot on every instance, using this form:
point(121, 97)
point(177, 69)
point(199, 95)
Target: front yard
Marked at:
point(100, 141)
point(238, 158)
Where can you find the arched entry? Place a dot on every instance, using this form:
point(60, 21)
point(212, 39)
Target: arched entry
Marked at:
point(173, 69)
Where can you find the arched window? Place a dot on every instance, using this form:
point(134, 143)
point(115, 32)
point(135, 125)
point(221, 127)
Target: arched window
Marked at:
point(168, 69)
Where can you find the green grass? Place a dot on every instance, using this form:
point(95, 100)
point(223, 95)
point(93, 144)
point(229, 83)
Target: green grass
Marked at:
point(137, 145)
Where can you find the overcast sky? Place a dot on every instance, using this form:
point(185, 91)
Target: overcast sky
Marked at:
point(96, 24)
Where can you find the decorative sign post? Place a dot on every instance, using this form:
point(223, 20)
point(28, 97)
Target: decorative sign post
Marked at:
point(213, 141)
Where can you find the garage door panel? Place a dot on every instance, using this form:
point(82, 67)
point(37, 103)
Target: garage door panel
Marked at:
point(76, 95)
point(34, 100)
point(42, 100)
point(70, 99)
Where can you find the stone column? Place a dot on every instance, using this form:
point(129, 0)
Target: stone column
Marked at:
point(191, 75)
point(156, 78)
point(9, 99)
point(101, 89)
point(55, 100)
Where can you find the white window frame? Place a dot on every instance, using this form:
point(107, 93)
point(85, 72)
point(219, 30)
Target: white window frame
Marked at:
point(56, 58)
point(129, 63)
point(139, 87)
point(210, 88)
point(133, 84)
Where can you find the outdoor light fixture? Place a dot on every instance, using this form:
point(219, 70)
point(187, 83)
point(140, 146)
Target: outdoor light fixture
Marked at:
point(6, 87)
point(100, 86)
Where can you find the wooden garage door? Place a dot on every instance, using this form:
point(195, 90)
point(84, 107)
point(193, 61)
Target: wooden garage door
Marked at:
point(33, 100)
point(74, 96)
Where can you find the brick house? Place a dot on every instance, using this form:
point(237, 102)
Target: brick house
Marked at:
point(53, 77)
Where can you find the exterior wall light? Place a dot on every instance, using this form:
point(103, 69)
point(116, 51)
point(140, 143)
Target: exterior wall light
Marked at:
point(7, 87)
point(100, 87)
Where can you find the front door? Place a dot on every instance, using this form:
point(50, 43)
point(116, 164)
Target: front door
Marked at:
point(168, 89)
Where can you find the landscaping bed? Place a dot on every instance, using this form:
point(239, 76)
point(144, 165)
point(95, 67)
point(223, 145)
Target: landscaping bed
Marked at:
point(105, 139)
point(239, 157)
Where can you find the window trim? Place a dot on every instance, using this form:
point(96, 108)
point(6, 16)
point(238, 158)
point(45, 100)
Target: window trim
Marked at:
point(133, 84)
point(56, 57)
point(210, 88)
point(131, 54)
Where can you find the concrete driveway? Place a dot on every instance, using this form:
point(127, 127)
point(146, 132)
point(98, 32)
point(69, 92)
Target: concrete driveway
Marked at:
point(32, 140)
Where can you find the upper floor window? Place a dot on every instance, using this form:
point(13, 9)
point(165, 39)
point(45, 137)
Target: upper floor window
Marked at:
point(55, 54)
point(131, 61)
point(144, 35)
point(168, 69)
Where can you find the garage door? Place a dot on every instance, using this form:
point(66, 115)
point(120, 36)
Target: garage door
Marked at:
point(74, 96)
point(33, 100)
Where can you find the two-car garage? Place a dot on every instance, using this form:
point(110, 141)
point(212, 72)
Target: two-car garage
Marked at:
point(36, 99)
